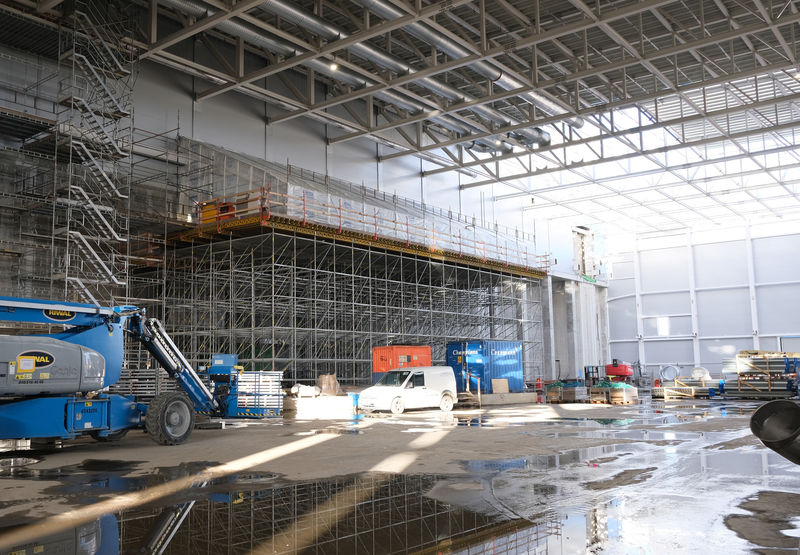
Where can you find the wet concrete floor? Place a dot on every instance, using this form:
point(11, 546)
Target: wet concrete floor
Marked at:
point(651, 478)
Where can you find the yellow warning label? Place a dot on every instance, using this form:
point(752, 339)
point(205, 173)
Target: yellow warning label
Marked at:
point(44, 376)
point(24, 376)
point(26, 364)
point(87, 404)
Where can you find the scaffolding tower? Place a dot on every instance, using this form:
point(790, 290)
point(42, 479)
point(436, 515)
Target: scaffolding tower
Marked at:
point(93, 138)
point(308, 306)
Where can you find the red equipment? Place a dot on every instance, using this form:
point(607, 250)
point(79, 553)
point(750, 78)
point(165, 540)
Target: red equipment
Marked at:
point(619, 371)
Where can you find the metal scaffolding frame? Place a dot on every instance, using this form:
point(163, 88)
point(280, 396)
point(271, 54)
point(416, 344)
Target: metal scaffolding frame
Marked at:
point(375, 513)
point(93, 138)
point(309, 305)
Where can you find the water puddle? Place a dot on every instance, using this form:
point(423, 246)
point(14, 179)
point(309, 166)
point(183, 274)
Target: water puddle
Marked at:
point(638, 489)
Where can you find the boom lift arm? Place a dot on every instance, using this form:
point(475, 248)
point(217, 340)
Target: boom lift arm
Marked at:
point(49, 383)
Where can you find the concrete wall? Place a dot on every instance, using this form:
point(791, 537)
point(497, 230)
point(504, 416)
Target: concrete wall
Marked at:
point(695, 300)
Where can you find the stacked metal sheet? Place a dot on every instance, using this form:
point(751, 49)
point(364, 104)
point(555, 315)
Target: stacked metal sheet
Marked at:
point(761, 375)
point(259, 394)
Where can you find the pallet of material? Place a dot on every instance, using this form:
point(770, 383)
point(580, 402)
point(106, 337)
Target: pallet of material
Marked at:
point(575, 395)
point(676, 392)
point(554, 394)
point(598, 394)
point(623, 396)
point(682, 388)
point(758, 389)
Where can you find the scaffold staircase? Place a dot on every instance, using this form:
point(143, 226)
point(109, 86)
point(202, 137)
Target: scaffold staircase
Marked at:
point(95, 95)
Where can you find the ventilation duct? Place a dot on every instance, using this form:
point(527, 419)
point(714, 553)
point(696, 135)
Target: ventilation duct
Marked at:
point(427, 35)
point(330, 32)
point(256, 37)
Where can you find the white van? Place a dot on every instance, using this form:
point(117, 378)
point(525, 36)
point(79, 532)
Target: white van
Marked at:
point(411, 388)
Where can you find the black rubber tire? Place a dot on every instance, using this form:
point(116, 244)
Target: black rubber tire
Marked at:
point(446, 404)
point(170, 418)
point(397, 406)
point(113, 436)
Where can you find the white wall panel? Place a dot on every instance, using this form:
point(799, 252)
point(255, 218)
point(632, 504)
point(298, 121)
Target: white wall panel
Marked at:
point(664, 269)
point(777, 258)
point(620, 287)
point(778, 309)
point(722, 292)
point(666, 352)
point(622, 269)
point(628, 351)
point(790, 344)
point(713, 351)
point(667, 326)
point(724, 312)
point(622, 318)
point(561, 247)
point(666, 303)
point(720, 264)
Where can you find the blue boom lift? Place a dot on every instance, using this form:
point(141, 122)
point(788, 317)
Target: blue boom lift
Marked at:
point(51, 386)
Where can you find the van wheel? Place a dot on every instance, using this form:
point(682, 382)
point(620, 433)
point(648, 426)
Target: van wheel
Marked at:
point(446, 403)
point(397, 406)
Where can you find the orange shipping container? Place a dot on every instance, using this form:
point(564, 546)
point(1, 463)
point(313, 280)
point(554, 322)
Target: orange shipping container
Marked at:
point(399, 356)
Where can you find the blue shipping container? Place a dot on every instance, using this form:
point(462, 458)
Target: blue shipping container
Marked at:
point(487, 360)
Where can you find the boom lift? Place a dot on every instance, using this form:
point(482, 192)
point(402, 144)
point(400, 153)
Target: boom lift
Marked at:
point(51, 386)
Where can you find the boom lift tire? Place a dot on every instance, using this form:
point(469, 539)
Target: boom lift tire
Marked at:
point(170, 418)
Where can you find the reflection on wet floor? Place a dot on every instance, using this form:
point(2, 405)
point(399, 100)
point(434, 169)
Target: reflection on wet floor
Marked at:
point(652, 490)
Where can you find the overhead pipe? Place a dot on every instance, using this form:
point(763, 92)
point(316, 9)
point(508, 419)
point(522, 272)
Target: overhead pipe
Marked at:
point(432, 37)
point(329, 31)
point(256, 37)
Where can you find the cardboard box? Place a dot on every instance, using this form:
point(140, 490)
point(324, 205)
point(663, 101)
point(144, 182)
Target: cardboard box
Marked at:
point(499, 385)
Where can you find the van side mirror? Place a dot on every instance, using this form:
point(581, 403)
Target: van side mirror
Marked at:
point(410, 384)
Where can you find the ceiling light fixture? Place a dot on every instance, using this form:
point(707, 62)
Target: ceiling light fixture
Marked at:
point(334, 66)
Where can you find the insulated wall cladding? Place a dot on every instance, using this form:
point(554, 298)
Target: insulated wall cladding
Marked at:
point(695, 301)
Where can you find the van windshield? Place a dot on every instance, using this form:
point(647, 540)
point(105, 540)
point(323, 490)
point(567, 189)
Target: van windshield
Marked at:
point(394, 378)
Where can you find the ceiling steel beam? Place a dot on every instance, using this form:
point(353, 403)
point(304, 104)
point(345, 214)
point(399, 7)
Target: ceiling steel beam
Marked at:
point(644, 128)
point(657, 150)
point(334, 46)
point(47, 5)
point(200, 26)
